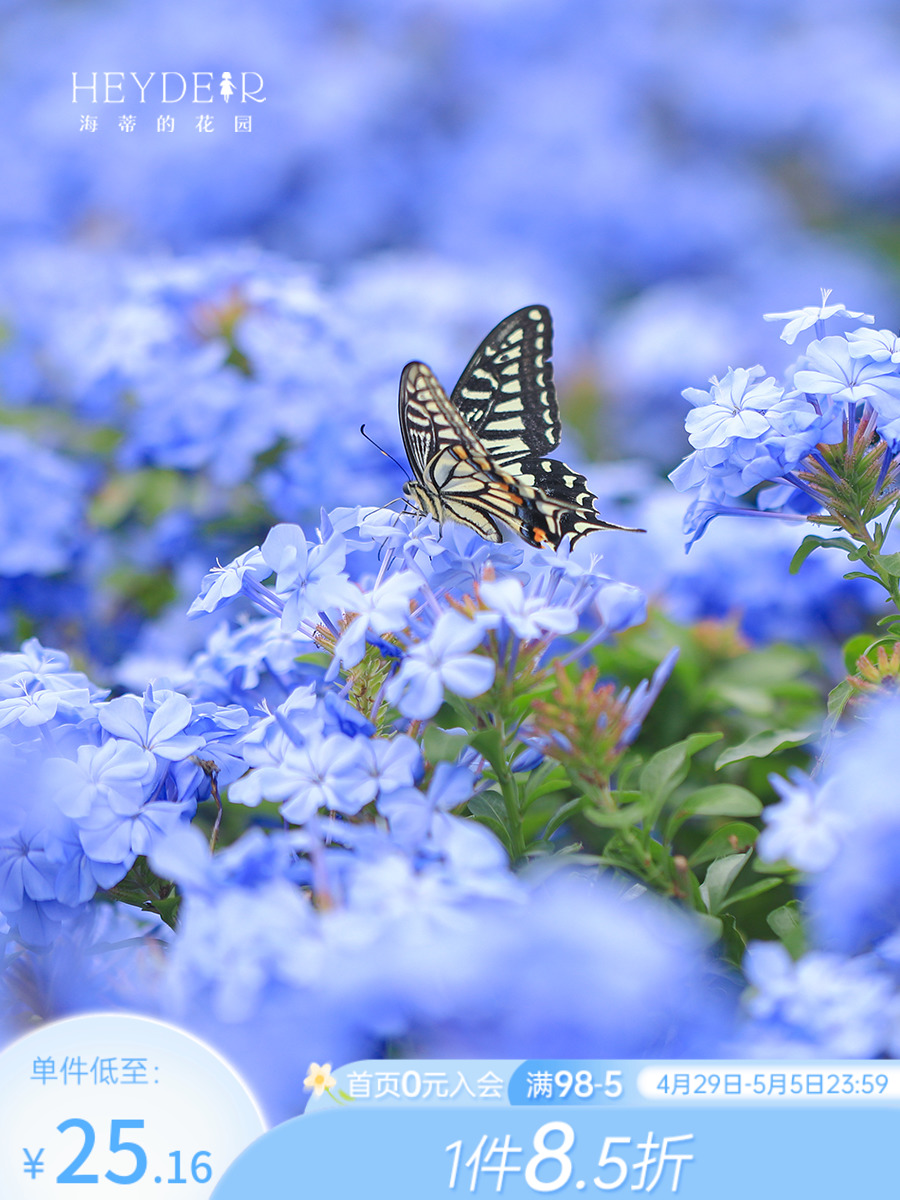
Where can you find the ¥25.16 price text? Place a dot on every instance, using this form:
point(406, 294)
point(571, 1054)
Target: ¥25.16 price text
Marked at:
point(84, 1156)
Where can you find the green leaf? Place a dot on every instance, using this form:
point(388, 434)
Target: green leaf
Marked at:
point(864, 575)
point(718, 800)
point(720, 875)
point(755, 702)
point(631, 814)
point(489, 744)
point(668, 768)
point(838, 699)
point(753, 889)
point(889, 563)
point(787, 925)
point(627, 797)
point(695, 896)
point(734, 944)
point(545, 780)
point(441, 745)
point(489, 808)
point(561, 815)
point(723, 842)
point(780, 867)
point(761, 745)
point(146, 493)
point(812, 542)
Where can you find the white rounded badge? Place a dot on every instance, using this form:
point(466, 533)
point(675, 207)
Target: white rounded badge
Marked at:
point(121, 1105)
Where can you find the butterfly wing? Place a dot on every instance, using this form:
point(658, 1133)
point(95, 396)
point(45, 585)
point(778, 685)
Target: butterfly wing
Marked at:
point(508, 398)
point(477, 455)
point(422, 424)
point(443, 454)
point(506, 393)
point(566, 500)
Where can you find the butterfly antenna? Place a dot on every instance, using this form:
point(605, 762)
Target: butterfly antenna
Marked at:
point(408, 510)
point(362, 430)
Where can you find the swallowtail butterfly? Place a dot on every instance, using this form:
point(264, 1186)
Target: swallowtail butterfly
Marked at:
point(477, 456)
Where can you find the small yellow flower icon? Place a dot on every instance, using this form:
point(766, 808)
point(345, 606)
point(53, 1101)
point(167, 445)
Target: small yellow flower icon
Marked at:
point(319, 1078)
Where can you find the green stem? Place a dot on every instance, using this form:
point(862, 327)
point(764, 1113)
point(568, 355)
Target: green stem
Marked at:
point(870, 555)
point(630, 839)
point(510, 793)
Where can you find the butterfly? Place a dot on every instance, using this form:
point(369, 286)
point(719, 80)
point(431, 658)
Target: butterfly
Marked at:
point(477, 456)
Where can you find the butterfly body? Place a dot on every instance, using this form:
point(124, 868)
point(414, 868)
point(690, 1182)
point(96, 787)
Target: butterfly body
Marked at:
point(477, 455)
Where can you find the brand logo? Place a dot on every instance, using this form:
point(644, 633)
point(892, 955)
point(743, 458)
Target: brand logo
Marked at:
point(166, 87)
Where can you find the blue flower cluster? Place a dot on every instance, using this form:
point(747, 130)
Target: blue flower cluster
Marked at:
point(419, 911)
point(422, 938)
point(842, 829)
point(377, 914)
point(749, 431)
point(91, 782)
point(404, 606)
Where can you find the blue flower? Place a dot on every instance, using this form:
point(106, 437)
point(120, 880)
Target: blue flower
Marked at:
point(741, 567)
point(98, 958)
point(253, 861)
point(36, 687)
point(805, 318)
point(823, 1004)
point(805, 829)
point(339, 716)
point(224, 583)
point(738, 402)
point(443, 659)
point(121, 825)
point(644, 696)
point(98, 774)
point(847, 832)
point(628, 978)
point(384, 609)
point(411, 814)
point(397, 762)
point(78, 875)
point(157, 722)
point(619, 606)
point(529, 617)
point(833, 371)
point(701, 512)
point(248, 663)
point(777, 440)
point(26, 869)
point(30, 708)
point(311, 577)
point(882, 345)
point(323, 773)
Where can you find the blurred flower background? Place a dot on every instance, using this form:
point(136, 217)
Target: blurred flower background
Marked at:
point(194, 323)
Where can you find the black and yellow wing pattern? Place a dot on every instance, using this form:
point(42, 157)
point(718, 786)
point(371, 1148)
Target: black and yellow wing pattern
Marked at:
point(477, 456)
